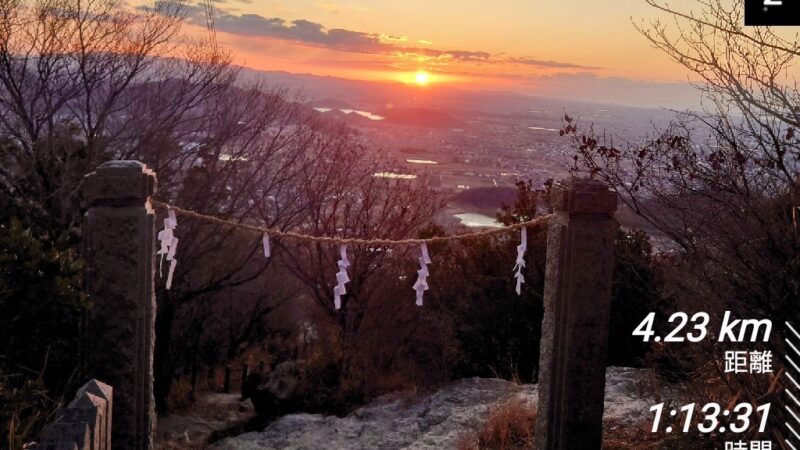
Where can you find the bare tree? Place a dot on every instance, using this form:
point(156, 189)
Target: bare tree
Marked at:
point(86, 81)
point(69, 74)
point(351, 193)
point(723, 183)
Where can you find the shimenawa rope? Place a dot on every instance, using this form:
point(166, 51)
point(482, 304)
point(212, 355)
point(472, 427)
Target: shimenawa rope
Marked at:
point(351, 241)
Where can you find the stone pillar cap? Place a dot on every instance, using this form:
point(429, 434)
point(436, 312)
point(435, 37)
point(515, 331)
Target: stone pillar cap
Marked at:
point(583, 196)
point(97, 388)
point(119, 183)
point(87, 400)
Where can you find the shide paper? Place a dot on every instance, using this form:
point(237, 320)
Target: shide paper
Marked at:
point(265, 243)
point(421, 285)
point(523, 245)
point(341, 278)
point(169, 245)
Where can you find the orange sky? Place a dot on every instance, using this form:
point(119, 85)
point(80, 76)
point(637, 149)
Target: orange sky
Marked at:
point(459, 42)
point(580, 49)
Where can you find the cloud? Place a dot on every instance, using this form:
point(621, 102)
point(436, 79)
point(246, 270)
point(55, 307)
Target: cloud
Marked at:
point(300, 30)
point(393, 39)
point(315, 34)
point(546, 63)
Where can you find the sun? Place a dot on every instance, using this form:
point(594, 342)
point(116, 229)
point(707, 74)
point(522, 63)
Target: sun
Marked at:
point(421, 78)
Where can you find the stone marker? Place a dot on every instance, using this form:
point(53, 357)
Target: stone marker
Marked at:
point(119, 239)
point(66, 435)
point(577, 298)
point(84, 423)
point(105, 392)
point(88, 409)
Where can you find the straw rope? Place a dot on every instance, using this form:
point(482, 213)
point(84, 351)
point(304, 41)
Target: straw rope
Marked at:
point(350, 241)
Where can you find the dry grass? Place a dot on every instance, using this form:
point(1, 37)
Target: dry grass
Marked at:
point(509, 426)
point(181, 396)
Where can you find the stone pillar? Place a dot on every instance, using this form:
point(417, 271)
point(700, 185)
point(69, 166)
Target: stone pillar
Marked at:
point(577, 299)
point(119, 239)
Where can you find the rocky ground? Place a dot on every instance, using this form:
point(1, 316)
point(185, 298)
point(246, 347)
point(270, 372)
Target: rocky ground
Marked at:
point(435, 421)
point(191, 429)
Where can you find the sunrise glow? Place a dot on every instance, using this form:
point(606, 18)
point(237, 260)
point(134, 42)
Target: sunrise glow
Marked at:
point(459, 47)
point(421, 78)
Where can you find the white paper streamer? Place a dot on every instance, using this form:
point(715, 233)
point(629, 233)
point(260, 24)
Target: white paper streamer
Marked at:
point(523, 245)
point(169, 245)
point(265, 243)
point(172, 264)
point(341, 278)
point(165, 237)
point(173, 247)
point(421, 285)
point(172, 219)
point(425, 257)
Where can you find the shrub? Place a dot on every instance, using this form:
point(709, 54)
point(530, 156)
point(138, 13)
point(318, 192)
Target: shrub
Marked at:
point(498, 331)
point(41, 305)
point(636, 292)
point(24, 408)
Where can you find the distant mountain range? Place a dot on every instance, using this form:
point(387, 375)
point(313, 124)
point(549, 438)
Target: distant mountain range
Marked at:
point(377, 97)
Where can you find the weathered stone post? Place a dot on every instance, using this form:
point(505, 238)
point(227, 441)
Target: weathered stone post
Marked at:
point(119, 235)
point(577, 298)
